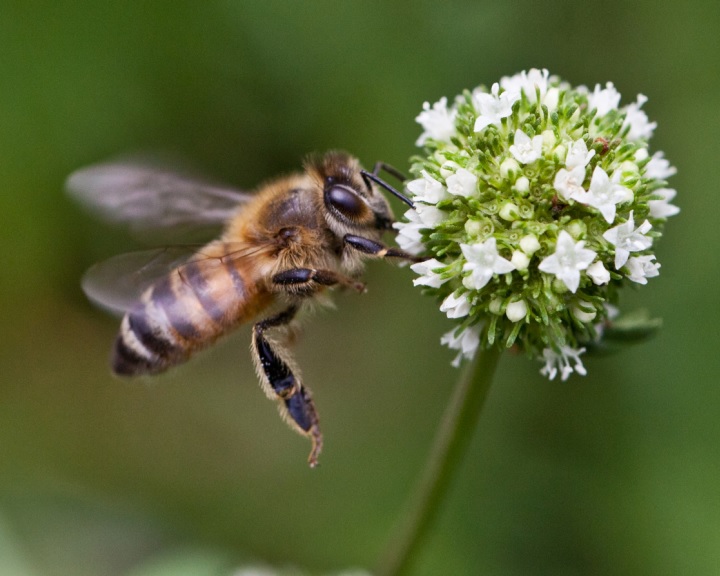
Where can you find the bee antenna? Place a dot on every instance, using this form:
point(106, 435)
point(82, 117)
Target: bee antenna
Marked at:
point(380, 182)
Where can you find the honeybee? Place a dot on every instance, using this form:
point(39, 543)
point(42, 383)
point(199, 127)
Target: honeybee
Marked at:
point(280, 248)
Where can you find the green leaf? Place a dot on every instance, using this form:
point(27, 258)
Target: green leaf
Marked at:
point(631, 328)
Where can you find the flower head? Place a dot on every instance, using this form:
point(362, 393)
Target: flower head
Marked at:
point(526, 199)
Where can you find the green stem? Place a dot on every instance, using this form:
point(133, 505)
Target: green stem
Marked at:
point(451, 442)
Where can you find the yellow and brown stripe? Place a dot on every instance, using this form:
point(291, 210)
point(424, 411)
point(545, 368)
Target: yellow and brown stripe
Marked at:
point(185, 311)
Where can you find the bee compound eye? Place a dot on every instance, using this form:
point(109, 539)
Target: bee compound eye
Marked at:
point(345, 201)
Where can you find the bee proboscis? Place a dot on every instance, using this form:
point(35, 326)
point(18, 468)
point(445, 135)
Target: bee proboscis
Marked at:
point(290, 241)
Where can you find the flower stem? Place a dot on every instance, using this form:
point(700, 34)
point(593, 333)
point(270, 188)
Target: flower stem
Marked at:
point(451, 442)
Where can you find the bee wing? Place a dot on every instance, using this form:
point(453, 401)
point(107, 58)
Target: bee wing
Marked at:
point(117, 283)
point(154, 202)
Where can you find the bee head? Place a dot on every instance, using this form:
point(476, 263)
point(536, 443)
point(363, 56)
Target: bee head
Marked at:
point(352, 202)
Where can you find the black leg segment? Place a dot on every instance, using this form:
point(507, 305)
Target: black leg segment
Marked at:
point(280, 382)
point(377, 249)
point(301, 410)
point(303, 277)
point(281, 319)
point(277, 372)
point(369, 177)
point(389, 169)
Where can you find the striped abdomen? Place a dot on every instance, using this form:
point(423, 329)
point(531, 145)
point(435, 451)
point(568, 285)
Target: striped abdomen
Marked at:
point(185, 311)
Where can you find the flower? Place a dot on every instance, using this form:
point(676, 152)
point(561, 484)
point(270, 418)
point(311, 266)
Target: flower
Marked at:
point(604, 99)
point(662, 208)
point(438, 122)
point(561, 360)
point(482, 262)
point(659, 168)
point(578, 155)
point(641, 268)
point(529, 83)
point(526, 212)
point(637, 120)
point(467, 341)
point(569, 259)
point(626, 239)
point(409, 237)
point(462, 183)
point(604, 194)
point(597, 273)
point(429, 215)
point(493, 107)
point(423, 216)
point(427, 189)
point(456, 305)
point(428, 276)
point(568, 183)
point(526, 150)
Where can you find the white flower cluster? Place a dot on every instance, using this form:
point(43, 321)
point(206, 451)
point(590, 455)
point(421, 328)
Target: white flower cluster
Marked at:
point(526, 204)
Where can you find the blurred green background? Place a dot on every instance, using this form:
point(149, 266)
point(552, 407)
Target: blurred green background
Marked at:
point(193, 473)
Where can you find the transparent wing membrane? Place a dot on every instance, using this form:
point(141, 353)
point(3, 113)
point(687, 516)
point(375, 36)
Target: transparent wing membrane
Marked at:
point(154, 202)
point(117, 283)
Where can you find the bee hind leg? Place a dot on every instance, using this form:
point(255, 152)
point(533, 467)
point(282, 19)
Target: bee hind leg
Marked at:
point(281, 383)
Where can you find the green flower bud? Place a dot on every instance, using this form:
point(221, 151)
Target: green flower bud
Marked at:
point(509, 166)
point(516, 311)
point(522, 185)
point(509, 212)
point(529, 244)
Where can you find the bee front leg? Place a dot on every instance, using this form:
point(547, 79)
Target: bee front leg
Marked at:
point(281, 383)
point(377, 249)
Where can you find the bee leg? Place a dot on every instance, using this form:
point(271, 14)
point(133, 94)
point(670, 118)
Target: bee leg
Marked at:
point(370, 177)
point(302, 277)
point(389, 169)
point(377, 249)
point(280, 383)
